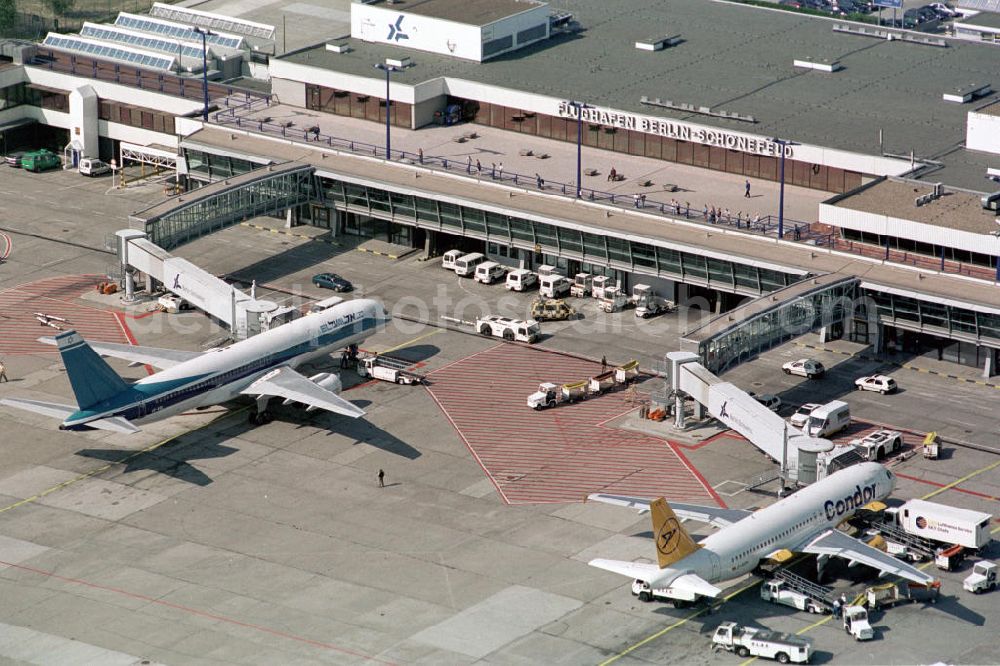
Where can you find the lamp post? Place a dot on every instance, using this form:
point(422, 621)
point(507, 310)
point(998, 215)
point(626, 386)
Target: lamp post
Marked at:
point(579, 106)
point(204, 67)
point(781, 192)
point(388, 70)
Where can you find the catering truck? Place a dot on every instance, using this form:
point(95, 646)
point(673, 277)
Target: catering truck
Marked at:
point(942, 523)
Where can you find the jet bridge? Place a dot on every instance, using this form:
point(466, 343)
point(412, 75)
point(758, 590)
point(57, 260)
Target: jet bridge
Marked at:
point(242, 313)
point(735, 408)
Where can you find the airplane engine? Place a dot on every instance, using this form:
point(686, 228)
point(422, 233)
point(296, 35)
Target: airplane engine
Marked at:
point(327, 380)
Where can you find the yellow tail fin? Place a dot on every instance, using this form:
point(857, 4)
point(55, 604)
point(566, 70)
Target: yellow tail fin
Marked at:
point(673, 543)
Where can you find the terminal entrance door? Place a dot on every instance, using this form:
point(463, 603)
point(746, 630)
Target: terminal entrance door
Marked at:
point(321, 216)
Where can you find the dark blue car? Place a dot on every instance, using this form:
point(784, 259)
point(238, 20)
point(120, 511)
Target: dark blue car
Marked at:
point(332, 281)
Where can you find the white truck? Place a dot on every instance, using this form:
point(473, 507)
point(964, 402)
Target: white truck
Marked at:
point(982, 579)
point(613, 302)
point(550, 394)
point(388, 370)
point(647, 303)
point(679, 598)
point(553, 286)
point(879, 444)
point(581, 286)
point(603, 286)
point(942, 523)
point(520, 279)
point(519, 330)
point(783, 592)
point(754, 642)
point(855, 619)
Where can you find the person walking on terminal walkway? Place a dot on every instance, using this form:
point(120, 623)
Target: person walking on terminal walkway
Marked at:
point(746, 192)
point(381, 479)
point(479, 167)
point(500, 171)
point(3, 372)
point(612, 175)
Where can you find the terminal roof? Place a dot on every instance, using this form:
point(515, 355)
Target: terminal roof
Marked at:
point(472, 12)
point(955, 209)
point(733, 58)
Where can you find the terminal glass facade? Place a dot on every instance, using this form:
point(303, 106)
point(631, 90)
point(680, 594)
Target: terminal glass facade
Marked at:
point(595, 247)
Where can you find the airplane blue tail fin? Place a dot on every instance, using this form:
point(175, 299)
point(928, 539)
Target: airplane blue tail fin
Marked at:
point(92, 378)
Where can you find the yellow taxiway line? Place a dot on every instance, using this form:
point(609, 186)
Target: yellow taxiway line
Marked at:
point(962, 480)
point(410, 342)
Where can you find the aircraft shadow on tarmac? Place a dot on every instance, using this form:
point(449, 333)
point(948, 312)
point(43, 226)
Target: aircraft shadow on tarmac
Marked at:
point(173, 459)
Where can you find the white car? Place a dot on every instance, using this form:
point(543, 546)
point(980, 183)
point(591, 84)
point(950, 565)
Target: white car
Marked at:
point(879, 383)
point(943, 10)
point(801, 415)
point(804, 367)
point(769, 400)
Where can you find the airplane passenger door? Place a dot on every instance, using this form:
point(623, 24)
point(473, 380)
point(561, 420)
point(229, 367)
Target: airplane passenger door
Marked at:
point(716, 567)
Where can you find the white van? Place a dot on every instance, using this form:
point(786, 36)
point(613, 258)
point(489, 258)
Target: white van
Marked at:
point(828, 419)
point(489, 272)
point(465, 266)
point(554, 286)
point(521, 279)
point(90, 166)
point(449, 258)
point(325, 304)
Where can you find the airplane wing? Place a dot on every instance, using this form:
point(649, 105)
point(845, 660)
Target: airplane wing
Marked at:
point(704, 514)
point(657, 577)
point(154, 356)
point(836, 543)
point(286, 383)
point(61, 412)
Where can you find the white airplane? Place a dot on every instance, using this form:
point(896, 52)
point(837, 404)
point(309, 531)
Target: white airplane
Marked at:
point(262, 367)
point(805, 522)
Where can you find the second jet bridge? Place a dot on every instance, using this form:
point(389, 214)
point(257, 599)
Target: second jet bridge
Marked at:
point(740, 411)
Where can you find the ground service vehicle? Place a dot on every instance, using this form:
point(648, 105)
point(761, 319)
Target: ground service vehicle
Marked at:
point(172, 304)
point(804, 367)
point(751, 641)
point(801, 415)
point(489, 272)
point(465, 266)
point(679, 598)
point(932, 446)
point(90, 166)
point(325, 304)
point(388, 370)
point(828, 419)
point(949, 558)
point(780, 591)
point(602, 286)
point(613, 302)
point(627, 372)
point(598, 384)
point(554, 286)
point(647, 303)
point(879, 444)
point(551, 309)
point(40, 160)
point(855, 620)
point(769, 400)
point(982, 579)
point(449, 258)
point(890, 594)
point(521, 279)
point(942, 523)
point(509, 329)
point(550, 395)
point(581, 285)
point(878, 383)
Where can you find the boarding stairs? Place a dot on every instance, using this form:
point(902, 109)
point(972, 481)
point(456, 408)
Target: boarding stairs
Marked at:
point(814, 591)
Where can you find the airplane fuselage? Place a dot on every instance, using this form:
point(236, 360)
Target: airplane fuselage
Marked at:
point(220, 375)
point(737, 549)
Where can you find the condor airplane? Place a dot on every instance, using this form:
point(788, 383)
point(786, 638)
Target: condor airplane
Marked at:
point(261, 367)
point(805, 522)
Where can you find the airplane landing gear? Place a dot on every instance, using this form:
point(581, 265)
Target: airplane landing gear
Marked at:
point(261, 418)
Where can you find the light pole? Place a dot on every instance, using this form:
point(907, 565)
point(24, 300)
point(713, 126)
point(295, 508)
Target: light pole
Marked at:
point(781, 192)
point(579, 106)
point(388, 70)
point(204, 66)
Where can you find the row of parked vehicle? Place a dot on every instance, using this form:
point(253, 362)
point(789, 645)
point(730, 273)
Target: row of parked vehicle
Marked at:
point(45, 160)
point(554, 285)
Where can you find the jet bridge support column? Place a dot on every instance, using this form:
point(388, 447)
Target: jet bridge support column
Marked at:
point(674, 361)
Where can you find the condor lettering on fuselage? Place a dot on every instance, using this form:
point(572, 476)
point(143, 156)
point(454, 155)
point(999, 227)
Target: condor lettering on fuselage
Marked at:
point(854, 501)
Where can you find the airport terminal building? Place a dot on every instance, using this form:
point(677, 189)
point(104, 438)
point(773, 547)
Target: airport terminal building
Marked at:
point(880, 119)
